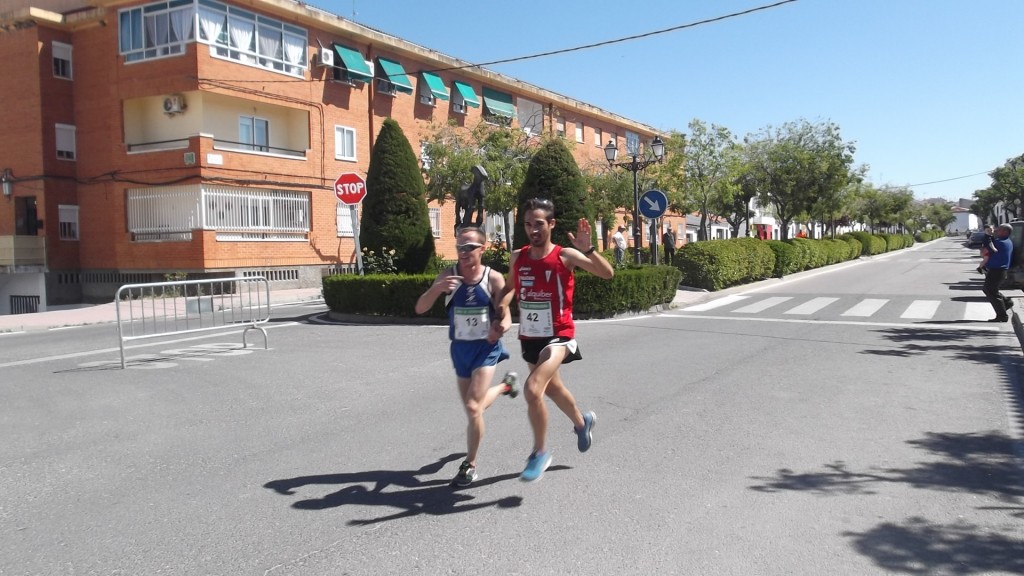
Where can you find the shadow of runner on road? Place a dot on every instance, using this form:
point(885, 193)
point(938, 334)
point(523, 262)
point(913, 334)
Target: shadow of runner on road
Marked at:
point(435, 497)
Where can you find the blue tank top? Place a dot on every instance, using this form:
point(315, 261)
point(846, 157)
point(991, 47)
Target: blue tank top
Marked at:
point(470, 308)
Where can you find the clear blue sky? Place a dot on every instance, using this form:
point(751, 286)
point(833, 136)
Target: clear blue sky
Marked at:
point(927, 89)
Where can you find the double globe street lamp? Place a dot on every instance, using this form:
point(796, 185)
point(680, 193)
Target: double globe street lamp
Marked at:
point(638, 161)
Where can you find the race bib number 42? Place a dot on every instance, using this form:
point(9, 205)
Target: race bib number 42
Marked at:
point(535, 319)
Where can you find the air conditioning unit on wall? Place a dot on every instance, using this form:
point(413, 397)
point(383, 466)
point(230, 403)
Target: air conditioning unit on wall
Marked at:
point(325, 56)
point(174, 104)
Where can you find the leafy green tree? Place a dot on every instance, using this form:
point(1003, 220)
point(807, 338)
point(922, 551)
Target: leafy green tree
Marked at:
point(451, 152)
point(939, 215)
point(554, 174)
point(985, 202)
point(395, 214)
point(706, 180)
point(609, 189)
point(794, 165)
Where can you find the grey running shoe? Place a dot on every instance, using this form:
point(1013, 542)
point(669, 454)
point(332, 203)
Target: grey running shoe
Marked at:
point(585, 435)
point(511, 382)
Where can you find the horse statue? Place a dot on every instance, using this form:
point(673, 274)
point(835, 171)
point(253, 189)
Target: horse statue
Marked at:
point(471, 199)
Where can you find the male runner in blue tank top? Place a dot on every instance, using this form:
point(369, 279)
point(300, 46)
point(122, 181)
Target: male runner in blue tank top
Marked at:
point(475, 332)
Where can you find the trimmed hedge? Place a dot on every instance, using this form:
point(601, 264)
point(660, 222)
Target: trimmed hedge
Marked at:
point(717, 264)
point(633, 289)
point(870, 243)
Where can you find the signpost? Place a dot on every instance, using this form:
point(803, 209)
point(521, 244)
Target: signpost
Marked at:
point(350, 188)
point(652, 205)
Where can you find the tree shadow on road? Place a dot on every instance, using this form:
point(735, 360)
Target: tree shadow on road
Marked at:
point(917, 546)
point(434, 497)
point(985, 464)
point(968, 345)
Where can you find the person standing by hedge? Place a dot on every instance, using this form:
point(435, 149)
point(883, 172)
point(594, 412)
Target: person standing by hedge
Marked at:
point(620, 245)
point(541, 277)
point(1000, 256)
point(475, 331)
point(669, 240)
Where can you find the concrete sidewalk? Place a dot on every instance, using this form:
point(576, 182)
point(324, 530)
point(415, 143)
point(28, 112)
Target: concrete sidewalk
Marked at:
point(80, 315)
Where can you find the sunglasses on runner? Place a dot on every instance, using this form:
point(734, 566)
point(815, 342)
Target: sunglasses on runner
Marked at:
point(467, 247)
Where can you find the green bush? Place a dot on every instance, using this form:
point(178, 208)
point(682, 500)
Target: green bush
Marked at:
point(395, 214)
point(870, 243)
point(633, 289)
point(553, 174)
point(787, 258)
point(718, 264)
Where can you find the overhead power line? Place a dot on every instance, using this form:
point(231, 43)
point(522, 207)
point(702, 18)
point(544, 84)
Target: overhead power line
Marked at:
point(949, 179)
point(625, 39)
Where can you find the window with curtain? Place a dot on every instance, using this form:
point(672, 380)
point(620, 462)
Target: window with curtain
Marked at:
point(162, 29)
point(156, 30)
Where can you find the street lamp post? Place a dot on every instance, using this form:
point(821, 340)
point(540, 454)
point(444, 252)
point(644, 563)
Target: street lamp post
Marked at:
point(638, 161)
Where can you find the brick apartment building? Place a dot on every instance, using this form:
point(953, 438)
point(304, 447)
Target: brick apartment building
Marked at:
point(204, 136)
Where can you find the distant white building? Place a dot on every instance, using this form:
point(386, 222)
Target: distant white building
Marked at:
point(965, 220)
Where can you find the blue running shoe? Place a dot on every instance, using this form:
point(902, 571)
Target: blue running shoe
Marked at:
point(585, 435)
point(536, 464)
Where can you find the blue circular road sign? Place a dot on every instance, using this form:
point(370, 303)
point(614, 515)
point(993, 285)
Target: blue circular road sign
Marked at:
point(653, 204)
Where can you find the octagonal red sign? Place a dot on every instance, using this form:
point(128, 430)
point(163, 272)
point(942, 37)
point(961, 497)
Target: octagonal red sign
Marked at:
point(350, 188)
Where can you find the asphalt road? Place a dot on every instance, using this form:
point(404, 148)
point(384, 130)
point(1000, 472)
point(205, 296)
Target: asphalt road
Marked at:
point(766, 435)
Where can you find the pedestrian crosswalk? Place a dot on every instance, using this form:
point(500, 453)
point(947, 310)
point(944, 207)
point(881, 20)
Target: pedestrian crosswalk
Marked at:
point(847, 308)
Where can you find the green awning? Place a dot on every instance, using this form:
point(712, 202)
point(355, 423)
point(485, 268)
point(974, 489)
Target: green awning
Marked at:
point(467, 93)
point(393, 72)
point(353, 62)
point(436, 85)
point(499, 103)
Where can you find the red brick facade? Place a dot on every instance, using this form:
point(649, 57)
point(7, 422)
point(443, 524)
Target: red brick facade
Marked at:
point(99, 100)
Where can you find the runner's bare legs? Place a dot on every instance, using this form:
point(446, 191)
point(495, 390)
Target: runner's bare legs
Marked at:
point(477, 395)
point(545, 380)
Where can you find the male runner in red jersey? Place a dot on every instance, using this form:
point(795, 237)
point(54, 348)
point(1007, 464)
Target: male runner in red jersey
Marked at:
point(541, 277)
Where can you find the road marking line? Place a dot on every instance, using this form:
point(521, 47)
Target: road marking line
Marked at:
point(725, 301)
point(921, 309)
point(812, 306)
point(763, 305)
point(116, 350)
point(866, 307)
point(924, 327)
point(978, 311)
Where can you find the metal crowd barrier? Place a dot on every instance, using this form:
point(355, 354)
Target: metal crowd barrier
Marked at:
point(187, 306)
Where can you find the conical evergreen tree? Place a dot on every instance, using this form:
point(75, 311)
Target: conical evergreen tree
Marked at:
point(395, 214)
point(554, 174)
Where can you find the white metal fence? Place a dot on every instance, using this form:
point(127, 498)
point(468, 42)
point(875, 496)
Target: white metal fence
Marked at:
point(173, 212)
point(170, 308)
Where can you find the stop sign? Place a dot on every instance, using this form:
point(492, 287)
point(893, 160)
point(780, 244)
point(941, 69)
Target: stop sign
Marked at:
point(350, 188)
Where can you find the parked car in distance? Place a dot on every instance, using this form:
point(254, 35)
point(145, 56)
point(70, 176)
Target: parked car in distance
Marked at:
point(977, 239)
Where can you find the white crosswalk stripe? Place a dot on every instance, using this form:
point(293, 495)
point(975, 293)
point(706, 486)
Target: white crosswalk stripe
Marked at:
point(979, 311)
point(866, 307)
point(812, 306)
point(715, 304)
point(921, 310)
point(822, 308)
point(763, 305)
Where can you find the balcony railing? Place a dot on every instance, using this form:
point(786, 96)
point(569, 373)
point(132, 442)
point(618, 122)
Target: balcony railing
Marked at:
point(219, 144)
point(22, 251)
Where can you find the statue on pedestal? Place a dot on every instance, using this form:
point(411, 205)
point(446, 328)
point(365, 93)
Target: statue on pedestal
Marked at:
point(471, 199)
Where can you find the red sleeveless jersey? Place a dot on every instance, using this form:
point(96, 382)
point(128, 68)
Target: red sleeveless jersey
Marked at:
point(544, 281)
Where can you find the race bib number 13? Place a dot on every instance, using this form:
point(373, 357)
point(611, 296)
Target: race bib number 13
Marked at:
point(471, 323)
